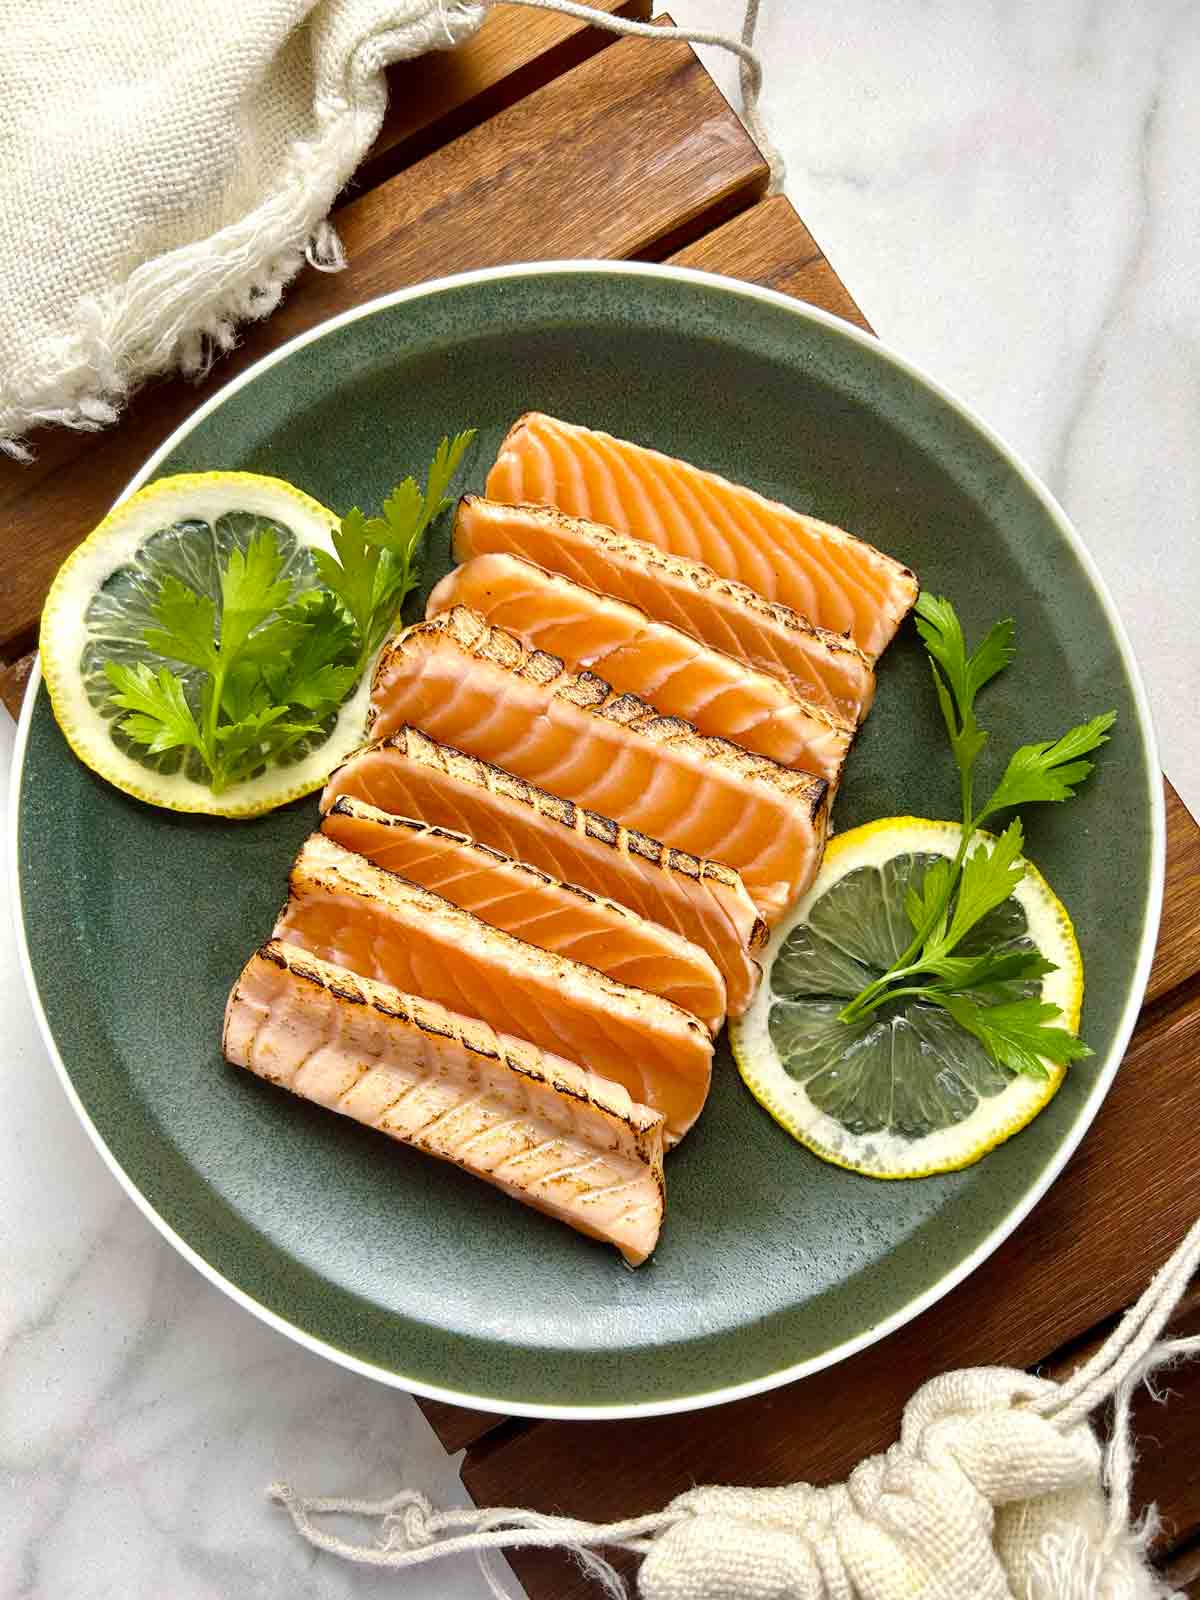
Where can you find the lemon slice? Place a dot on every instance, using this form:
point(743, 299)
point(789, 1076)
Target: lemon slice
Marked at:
point(99, 606)
point(906, 1092)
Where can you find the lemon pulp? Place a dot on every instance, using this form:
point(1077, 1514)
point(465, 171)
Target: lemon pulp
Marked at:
point(100, 604)
point(905, 1092)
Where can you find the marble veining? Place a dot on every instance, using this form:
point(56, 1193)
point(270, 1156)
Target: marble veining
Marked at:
point(1011, 194)
point(142, 1413)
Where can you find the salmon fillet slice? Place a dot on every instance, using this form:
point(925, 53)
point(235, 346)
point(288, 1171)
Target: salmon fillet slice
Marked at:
point(673, 671)
point(522, 900)
point(539, 1128)
point(703, 902)
point(824, 573)
point(348, 911)
point(820, 668)
point(478, 688)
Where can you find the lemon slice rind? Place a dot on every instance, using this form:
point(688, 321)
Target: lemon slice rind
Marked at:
point(995, 1119)
point(115, 543)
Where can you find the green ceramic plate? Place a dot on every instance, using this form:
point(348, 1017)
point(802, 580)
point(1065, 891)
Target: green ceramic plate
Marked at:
point(771, 1264)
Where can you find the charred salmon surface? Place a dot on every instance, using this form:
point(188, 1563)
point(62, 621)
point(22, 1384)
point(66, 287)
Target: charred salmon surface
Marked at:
point(540, 1128)
point(826, 574)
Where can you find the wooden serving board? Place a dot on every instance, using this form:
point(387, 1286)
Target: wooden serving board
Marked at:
point(543, 138)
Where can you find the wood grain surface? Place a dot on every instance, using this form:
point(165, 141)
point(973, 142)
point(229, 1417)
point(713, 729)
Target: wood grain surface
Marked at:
point(1183, 1571)
point(770, 246)
point(545, 139)
point(661, 148)
point(435, 98)
point(1177, 958)
point(456, 1426)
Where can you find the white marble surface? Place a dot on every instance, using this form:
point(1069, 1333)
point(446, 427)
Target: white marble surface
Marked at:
point(142, 1413)
point(1011, 193)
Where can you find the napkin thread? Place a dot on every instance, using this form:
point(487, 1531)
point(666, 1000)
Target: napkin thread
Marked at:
point(169, 170)
point(996, 1488)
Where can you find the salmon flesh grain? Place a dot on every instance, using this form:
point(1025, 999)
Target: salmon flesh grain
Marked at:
point(480, 689)
point(703, 902)
point(675, 672)
point(539, 1128)
point(354, 914)
point(557, 917)
point(821, 668)
point(824, 573)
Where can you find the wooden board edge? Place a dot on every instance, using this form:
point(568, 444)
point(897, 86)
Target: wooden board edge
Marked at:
point(770, 246)
point(1181, 1570)
point(458, 1427)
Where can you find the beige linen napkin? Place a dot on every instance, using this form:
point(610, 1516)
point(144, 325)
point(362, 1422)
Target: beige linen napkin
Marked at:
point(996, 1489)
point(165, 166)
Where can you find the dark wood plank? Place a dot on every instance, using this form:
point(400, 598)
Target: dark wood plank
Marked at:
point(438, 97)
point(457, 1427)
point(608, 160)
point(1178, 955)
point(1183, 1571)
point(622, 152)
point(1168, 1465)
point(770, 246)
point(1069, 1266)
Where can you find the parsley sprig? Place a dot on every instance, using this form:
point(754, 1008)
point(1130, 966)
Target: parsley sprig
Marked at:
point(267, 667)
point(374, 569)
point(983, 991)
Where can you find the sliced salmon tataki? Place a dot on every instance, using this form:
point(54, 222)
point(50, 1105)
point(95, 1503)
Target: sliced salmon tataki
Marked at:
point(703, 902)
point(522, 900)
point(478, 688)
point(539, 1128)
point(819, 667)
point(824, 573)
point(348, 911)
point(675, 672)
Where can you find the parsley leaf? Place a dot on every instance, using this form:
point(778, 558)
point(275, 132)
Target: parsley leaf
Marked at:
point(937, 623)
point(186, 625)
point(988, 878)
point(982, 992)
point(407, 514)
point(251, 589)
point(244, 692)
point(1015, 1032)
point(320, 670)
point(247, 745)
point(162, 719)
point(1049, 770)
point(990, 971)
point(403, 518)
point(375, 568)
point(958, 677)
point(926, 907)
point(267, 667)
point(351, 573)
